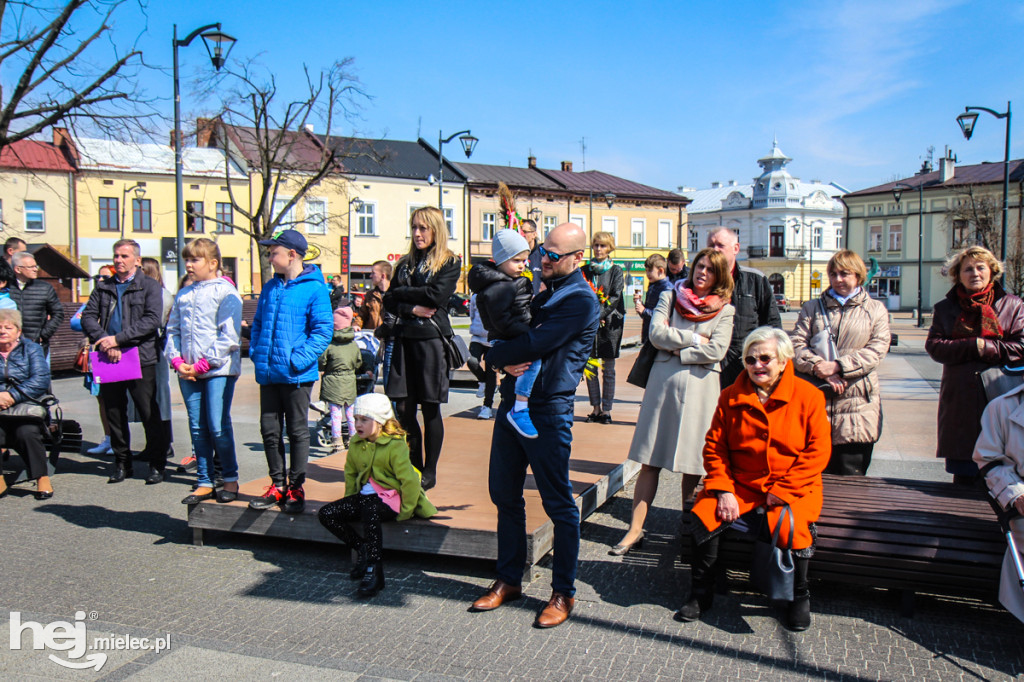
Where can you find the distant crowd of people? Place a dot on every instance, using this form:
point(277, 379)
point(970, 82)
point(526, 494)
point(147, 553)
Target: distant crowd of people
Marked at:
point(749, 415)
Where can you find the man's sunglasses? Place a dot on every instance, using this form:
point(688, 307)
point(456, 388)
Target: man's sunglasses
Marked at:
point(753, 359)
point(555, 257)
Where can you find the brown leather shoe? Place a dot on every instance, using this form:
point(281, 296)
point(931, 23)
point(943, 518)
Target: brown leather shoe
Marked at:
point(556, 612)
point(499, 593)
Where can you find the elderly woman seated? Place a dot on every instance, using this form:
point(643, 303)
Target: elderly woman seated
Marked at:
point(24, 376)
point(768, 444)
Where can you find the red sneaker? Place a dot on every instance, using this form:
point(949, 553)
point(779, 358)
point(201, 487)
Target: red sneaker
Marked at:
point(271, 496)
point(295, 500)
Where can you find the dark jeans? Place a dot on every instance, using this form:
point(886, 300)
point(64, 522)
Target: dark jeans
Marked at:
point(548, 457)
point(366, 508)
point(143, 392)
point(291, 401)
point(489, 378)
point(26, 438)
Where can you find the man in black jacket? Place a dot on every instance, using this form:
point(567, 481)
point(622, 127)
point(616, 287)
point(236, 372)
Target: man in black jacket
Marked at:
point(124, 312)
point(751, 296)
point(41, 310)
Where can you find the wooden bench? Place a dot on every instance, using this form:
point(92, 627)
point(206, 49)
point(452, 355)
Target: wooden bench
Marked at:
point(909, 536)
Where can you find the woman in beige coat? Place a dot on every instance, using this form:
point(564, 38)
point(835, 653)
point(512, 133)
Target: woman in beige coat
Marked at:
point(692, 329)
point(860, 334)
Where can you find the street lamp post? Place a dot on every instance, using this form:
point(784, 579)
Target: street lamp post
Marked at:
point(218, 56)
point(609, 199)
point(358, 203)
point(140, 192)
point(468, 144)
point(967, 121)
point(897, 192)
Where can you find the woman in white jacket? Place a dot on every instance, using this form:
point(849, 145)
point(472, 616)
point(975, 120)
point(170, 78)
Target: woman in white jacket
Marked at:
point(204, 349)
point(999, 454)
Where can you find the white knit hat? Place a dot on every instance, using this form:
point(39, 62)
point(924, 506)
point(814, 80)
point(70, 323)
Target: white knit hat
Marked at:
point(376, 406)
point(507, 244)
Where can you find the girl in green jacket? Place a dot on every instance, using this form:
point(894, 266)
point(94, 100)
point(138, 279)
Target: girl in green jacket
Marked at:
point(381, 484)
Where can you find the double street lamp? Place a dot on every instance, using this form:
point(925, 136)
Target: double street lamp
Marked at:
point(218, 46)
point(468, 144)
point(897, 192)
point(967, 121)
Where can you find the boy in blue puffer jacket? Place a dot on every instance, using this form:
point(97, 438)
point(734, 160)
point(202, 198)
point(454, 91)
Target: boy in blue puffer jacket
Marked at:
point(292, 328)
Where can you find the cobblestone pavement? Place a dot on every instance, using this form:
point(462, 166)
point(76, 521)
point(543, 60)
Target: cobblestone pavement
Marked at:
point(247, 608)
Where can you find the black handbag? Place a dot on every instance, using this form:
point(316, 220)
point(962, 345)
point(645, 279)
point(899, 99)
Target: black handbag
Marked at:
point(30, 409)
point(455, 351)
point(773, 569)
point(641, 371)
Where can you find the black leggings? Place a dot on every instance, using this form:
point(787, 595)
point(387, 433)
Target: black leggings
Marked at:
point(488, 377)
point(366, 508)
point(429, 439)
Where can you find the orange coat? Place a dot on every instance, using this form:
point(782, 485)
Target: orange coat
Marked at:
point(780, 447)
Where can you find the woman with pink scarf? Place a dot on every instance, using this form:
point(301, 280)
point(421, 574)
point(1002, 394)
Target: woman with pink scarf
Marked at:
point(692, 329)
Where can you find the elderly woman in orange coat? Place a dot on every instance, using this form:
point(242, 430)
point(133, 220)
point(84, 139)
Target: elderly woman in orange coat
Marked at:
point(769, 442)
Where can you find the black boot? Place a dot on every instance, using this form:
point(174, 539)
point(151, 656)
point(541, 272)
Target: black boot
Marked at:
point(359, 568)
point(120, 472)
point(702, 581)
point(373, 580)
point(798, 614)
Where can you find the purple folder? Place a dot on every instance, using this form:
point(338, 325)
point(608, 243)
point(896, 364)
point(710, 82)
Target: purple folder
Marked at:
point(106, 372)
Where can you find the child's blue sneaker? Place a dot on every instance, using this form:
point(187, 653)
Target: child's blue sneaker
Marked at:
point(522, 423)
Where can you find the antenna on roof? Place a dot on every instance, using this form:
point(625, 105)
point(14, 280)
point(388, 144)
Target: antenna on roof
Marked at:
point(583, 150)
point(419, 127)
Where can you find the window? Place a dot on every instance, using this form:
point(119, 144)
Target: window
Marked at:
point(579, 220)
point(365, 216)
point(550, 223)
point(225, 218)
point(664, 234)
point(142, 215)
point(694, 244)
point(108, 214)
point(35, 216)
point(816, 237)
point(776, 241)
point(611, 226)
point(316, 216)
point(194, 216)
point(636, 232)
point(286, 220)
point(895, 237)
point(875, 238)
point(961, 232)
point(839, 237)
point(487, 226)
point(449, 220)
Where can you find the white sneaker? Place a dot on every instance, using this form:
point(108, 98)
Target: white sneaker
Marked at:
point(103, 448)
point(485, 413)
point(480, 389)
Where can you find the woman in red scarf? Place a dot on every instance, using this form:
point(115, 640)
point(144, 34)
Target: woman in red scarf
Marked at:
point(692, 329)
point(976, 329)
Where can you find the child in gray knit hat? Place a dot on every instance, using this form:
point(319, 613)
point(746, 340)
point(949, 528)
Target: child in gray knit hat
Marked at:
point(503, 298)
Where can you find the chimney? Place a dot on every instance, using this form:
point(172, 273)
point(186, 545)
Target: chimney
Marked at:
point(204, 132)
point(732, 183)
point(715, 185)
point(170, 140)
point(531, 161)
point(308, 128)
point(62, 140)
point(567, 166)
point(947, 168)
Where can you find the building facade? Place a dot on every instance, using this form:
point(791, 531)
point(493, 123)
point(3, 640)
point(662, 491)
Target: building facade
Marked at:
point(788, 229)
point(36, 193)
point(960, 207)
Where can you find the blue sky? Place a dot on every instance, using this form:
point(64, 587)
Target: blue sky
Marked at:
point(665, 93)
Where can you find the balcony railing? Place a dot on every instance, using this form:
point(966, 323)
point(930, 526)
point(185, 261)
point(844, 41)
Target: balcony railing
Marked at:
point(757, 251)
point(796, 254)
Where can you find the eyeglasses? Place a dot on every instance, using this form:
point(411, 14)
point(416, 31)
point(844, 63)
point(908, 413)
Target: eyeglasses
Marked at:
point(555, 257)
point(752, 360)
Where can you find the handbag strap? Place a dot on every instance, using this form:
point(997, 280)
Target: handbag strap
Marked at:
point(778, 527)
point(438, 328)
point(828, 327)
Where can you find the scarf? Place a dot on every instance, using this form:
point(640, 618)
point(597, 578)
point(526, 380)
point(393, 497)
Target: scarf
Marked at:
point(842, 299)
point(977, 317)
point(693, 308)
point(600, 267)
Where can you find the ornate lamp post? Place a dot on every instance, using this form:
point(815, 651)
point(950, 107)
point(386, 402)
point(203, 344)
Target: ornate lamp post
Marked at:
point(967, 121)
point(140, 192)
point(897, 192)
point(468, 144)
point(358, 203)
point(215, 42)
point(609, 199)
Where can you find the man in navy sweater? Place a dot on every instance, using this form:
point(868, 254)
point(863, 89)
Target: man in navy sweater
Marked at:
point(565, 320)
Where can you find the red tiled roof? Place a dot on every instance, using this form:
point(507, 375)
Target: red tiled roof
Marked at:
point(978, 174)
point(34, 155)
